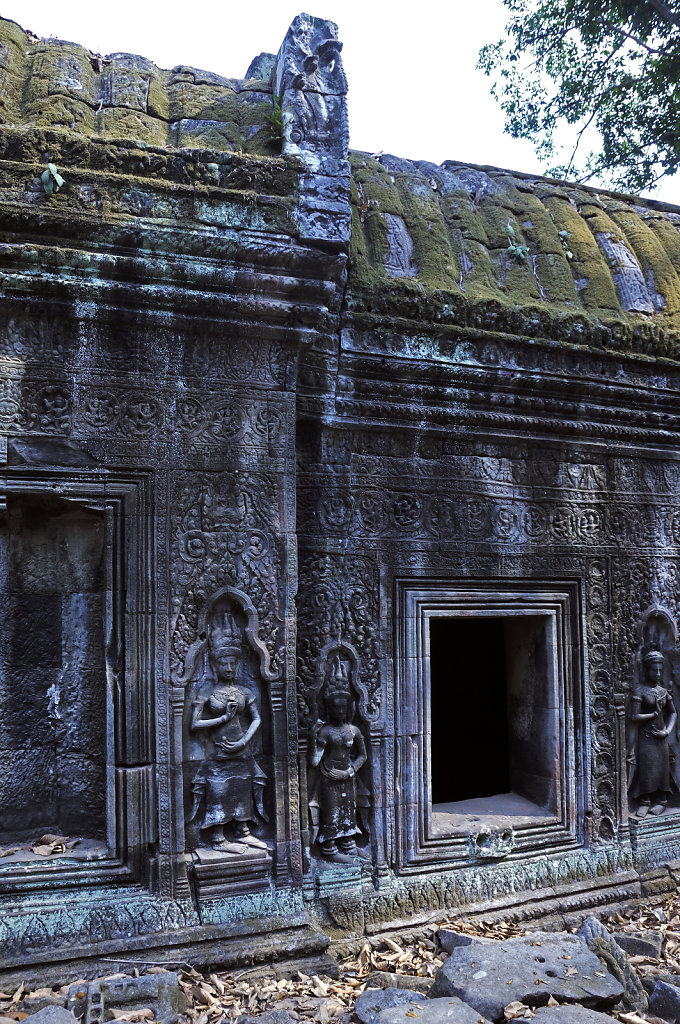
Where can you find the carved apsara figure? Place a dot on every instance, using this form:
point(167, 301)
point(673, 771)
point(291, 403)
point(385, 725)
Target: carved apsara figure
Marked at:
point(654, 716)
point(336, 753)
point(229, 784)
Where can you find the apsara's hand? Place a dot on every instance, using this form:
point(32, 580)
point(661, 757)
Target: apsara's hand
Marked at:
point(232, 746)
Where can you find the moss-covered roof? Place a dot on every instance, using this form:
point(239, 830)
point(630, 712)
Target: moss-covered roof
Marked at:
point(510, 250)
point(452, 244)
point(52, 84)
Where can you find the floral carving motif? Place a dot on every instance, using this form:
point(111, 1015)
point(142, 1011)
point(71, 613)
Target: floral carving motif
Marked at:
point(50, 410)
point(339, 600)
point(226, 537)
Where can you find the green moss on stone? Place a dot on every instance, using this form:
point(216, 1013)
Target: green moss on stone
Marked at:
point(62, 68)
point(554, 273)
point(132, 125)
point(495, 216)
point(595, 286)
point(460, 213)
point(158, 101)
point(668, 235)
point(13, 35)
point(375, 186)
point(60, 112)
point(655, 263)
point(437, 265)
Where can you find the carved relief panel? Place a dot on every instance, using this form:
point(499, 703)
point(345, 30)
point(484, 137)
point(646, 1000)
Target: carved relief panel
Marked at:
point(228, 746)
point(337, 792)
point(653, 740)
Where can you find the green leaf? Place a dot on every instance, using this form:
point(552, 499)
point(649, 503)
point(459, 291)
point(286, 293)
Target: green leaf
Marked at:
point(595, 86)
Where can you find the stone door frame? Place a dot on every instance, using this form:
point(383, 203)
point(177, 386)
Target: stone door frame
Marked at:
point(416, 601)
point(131, 797)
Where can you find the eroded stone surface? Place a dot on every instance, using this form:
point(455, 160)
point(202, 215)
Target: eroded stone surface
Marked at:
point(373, 1003)
point(52, 1015)
point(449, 1009)
point(665, 1001)
point(640, 943)
point(528, 969)
point(571, 1014)
point(611, 953)
point(450, 939)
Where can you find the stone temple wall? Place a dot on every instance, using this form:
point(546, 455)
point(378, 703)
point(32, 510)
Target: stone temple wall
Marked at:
point(339, 540)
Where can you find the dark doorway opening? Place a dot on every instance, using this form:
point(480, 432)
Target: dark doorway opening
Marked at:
point(468, 709)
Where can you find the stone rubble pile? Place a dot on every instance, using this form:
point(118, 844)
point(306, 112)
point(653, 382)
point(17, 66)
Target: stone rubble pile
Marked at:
point(548, 977)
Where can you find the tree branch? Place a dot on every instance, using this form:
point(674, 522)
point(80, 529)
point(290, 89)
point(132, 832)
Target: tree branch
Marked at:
point(666, 13)
point(638, 42)
point(578, 142)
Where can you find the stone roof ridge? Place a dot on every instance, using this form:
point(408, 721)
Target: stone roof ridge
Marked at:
point(481, 179)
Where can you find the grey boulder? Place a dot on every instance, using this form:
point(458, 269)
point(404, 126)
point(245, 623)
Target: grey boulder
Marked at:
point(569, 1014)
point(52, 1015)
point(640, 943)
point(529, 969)
point(375, 1002)
point(450, 939)
point(432, 1011)
point(611, 955)
point(665, 1001)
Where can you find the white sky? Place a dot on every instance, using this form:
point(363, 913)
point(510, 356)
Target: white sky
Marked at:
point(414, 87)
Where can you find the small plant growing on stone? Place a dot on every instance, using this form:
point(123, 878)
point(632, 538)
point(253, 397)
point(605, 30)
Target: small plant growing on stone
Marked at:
point(51, 180)
point(278, 120)
point(564, 235)
point(515, 250)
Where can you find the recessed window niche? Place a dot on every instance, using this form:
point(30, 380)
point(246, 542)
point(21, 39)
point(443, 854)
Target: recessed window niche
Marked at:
point(490, 719)
point(53, 692)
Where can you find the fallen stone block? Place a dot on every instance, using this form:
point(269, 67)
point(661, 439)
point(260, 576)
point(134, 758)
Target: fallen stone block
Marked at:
point(388, 979)
point(640, 943)
point(571, 1013)
point(450, 939)
point(665, 1001)
point(373, 1002)
point(52, 1015)
point(432, 1011)
point(615, 960)
point(159, 992)
point(529, 969)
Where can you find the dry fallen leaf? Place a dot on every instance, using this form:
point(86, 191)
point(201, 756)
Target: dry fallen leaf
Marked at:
point(516, 1009)
point(570, 972)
